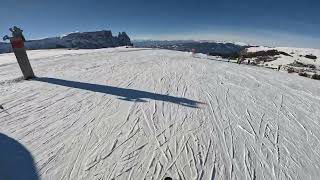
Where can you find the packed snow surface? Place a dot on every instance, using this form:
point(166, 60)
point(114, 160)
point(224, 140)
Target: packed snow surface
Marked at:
point(149, 114)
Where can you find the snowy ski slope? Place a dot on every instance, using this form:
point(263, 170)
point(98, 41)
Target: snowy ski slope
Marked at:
point(149, 114)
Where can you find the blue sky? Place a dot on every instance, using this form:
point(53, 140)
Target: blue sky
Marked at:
point(265, 22)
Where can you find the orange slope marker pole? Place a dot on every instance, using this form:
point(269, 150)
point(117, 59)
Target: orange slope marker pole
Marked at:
point(22, 57)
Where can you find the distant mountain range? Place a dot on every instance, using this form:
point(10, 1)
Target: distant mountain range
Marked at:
point(210, 48)
point(105, 39)
point(80, 40)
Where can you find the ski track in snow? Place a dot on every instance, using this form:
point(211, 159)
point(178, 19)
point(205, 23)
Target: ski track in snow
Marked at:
point(233, 121)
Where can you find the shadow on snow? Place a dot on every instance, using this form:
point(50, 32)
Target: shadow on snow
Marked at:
point(122, 93)
point(16, 162)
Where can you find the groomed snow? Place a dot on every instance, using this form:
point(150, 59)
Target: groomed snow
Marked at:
point(52, 53)
point(148, 114)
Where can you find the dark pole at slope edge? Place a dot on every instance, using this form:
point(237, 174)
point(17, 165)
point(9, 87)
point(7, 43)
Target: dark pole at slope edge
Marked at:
point(17, 43)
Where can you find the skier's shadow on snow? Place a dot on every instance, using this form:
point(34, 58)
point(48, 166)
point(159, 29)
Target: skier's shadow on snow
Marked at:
point(16, 162)
point(122, 93)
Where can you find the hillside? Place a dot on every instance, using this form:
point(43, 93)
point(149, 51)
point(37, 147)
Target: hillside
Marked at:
point(270, 57)
point(125, 113)
point(303, 55)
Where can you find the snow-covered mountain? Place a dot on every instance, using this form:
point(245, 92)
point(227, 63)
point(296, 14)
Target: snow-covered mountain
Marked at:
point(80, 40)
